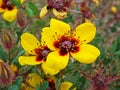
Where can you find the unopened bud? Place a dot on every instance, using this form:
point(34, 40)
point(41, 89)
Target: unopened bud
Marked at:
point(21, 19)
point(6, 74)
point(6, 39)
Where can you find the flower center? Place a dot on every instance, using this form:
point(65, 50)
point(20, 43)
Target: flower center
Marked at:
point(67, 44)
point(7, 4)
point(42, 53)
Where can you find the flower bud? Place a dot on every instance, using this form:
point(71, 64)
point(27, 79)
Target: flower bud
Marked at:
point(6, 39)
point(21, 19)
point(6, 74)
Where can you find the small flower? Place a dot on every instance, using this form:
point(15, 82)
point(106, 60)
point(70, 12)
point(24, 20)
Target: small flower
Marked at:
point(96, 2)
point(8, 9)
point(114, 9)
point(37, 53)
point(6, 39)
point(59, 8)
point(31, 81)
point(14, 68)
point(66, 85)
point(51, 83)
point(6, 74)
point(65, 43)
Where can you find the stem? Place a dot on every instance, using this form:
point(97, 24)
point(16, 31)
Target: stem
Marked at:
point(110, 79)
point(85, 75)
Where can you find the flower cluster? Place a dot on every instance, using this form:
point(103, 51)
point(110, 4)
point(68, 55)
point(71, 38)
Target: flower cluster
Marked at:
point(58, 44)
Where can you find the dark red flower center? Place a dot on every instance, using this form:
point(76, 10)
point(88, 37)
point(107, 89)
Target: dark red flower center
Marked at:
point(42, 53)
point(67, 44)
point(6, 4)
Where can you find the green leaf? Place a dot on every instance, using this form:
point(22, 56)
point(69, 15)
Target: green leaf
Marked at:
point(16, 2)
point(3, 54)
point(41, 23)
point(18, 81)
point(13, 87)
point(44, 85)
point(113, 29)
point(32, 10)
point(58, 81)
point(117, 53)
point(38, 87)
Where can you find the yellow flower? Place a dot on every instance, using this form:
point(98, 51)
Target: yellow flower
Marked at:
point(65, 43)
point(31, 81)
point(114, 9)
point(66, 86)
point(14, 68)
point(58, 14)
point(59, 8)
point(36, 53)
point(8, 9)
point(96, 2)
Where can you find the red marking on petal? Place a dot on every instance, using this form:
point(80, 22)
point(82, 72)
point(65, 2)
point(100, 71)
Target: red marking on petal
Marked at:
point(75, 49)
point(63, 52)
point(56, 44)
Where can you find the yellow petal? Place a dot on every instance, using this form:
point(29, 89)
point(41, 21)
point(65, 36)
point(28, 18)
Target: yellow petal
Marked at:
point(1, 2)
point(1, 60)
point(2, 10)
point(43, 12)
point(22, 1)
point(29, 42)
point(87, 20)
point(114, 9)
point(28, 60)
point(59, 27)
point(10, 15)
point(96, 2)
point(55, 61)
point(85, 31)
point(48, 70)
point(59, 15)
point(14, 68)
point(33, 79)
point(48, 37)
point(88, 54)
point(66, 86)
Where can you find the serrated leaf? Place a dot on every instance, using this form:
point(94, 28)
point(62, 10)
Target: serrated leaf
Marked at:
point(13, 87)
